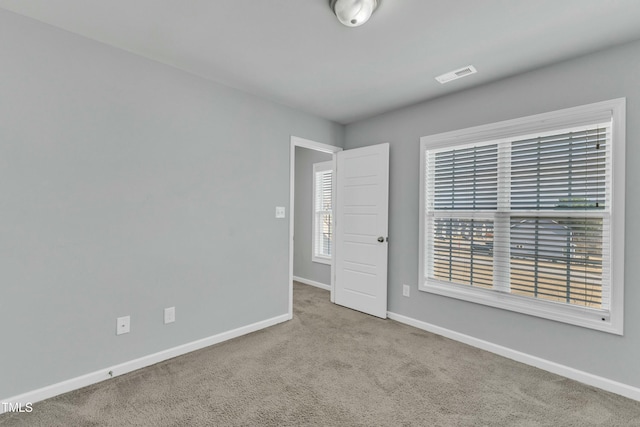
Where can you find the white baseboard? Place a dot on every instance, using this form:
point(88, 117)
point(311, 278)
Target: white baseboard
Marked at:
point(132, 365)
point(312, 283)
point(556, 368)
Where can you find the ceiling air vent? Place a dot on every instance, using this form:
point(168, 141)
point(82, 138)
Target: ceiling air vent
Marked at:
point(462, 72)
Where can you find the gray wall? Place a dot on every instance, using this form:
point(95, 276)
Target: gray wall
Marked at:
point(302, 265)
point(129, 186)
point(605, 75)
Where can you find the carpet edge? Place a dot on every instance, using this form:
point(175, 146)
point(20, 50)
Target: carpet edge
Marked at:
point(584, 377)
point(135, 364)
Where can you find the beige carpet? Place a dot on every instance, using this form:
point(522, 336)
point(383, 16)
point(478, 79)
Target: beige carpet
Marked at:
point(331, 366)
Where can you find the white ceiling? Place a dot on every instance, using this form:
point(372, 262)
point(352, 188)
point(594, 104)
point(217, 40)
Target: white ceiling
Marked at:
point(295, 52)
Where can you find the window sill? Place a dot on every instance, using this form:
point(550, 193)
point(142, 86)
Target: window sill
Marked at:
point(321, 260)
point(589, 318)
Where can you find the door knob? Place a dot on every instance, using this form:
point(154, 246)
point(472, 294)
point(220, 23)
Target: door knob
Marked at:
point(380, 239)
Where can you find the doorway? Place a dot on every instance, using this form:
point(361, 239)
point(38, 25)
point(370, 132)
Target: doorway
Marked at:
point(305, 265)
point(358, 224)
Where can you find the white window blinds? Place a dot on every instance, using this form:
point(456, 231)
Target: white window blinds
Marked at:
point(559, 256)
point(525, 214)
point(322, 221)
point(548, 235)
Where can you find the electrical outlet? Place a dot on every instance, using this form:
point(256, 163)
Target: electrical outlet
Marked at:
point(123, 325)
point(169, 315)
point(406, 290)
point(280, 212)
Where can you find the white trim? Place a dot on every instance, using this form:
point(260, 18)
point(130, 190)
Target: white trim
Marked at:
point(312, 283)
point(132, 365)
point(318, 146)
point(334, 200)
point(603, 383)
point(321, 260)
point(588, 318)
point(544, 122)
point(617, 234)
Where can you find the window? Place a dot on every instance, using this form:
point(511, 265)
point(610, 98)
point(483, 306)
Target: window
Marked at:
point(322, 212)
point(528, 215)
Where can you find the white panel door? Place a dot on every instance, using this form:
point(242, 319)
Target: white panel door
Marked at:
point(362, 198)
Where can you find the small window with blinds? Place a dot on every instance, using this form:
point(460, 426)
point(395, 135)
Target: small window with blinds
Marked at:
point(322, 211)
point(521, 215)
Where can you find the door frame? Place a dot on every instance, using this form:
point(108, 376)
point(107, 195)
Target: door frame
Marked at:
point(324, 148)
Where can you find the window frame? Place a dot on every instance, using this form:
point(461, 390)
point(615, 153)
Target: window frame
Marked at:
point(319, 168)
point(611, 320)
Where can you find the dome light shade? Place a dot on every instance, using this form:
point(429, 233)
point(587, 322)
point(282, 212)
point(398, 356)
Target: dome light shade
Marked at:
point(353, 13)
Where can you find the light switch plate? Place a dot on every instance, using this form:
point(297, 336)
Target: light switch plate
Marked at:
point(406, 290)
point(169, 315)
point(280, 212)
point(123, 325)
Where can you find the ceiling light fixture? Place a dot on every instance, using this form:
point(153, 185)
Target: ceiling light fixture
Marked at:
point(353, 13)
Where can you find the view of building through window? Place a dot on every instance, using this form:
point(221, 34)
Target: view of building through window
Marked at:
point(557, 259)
